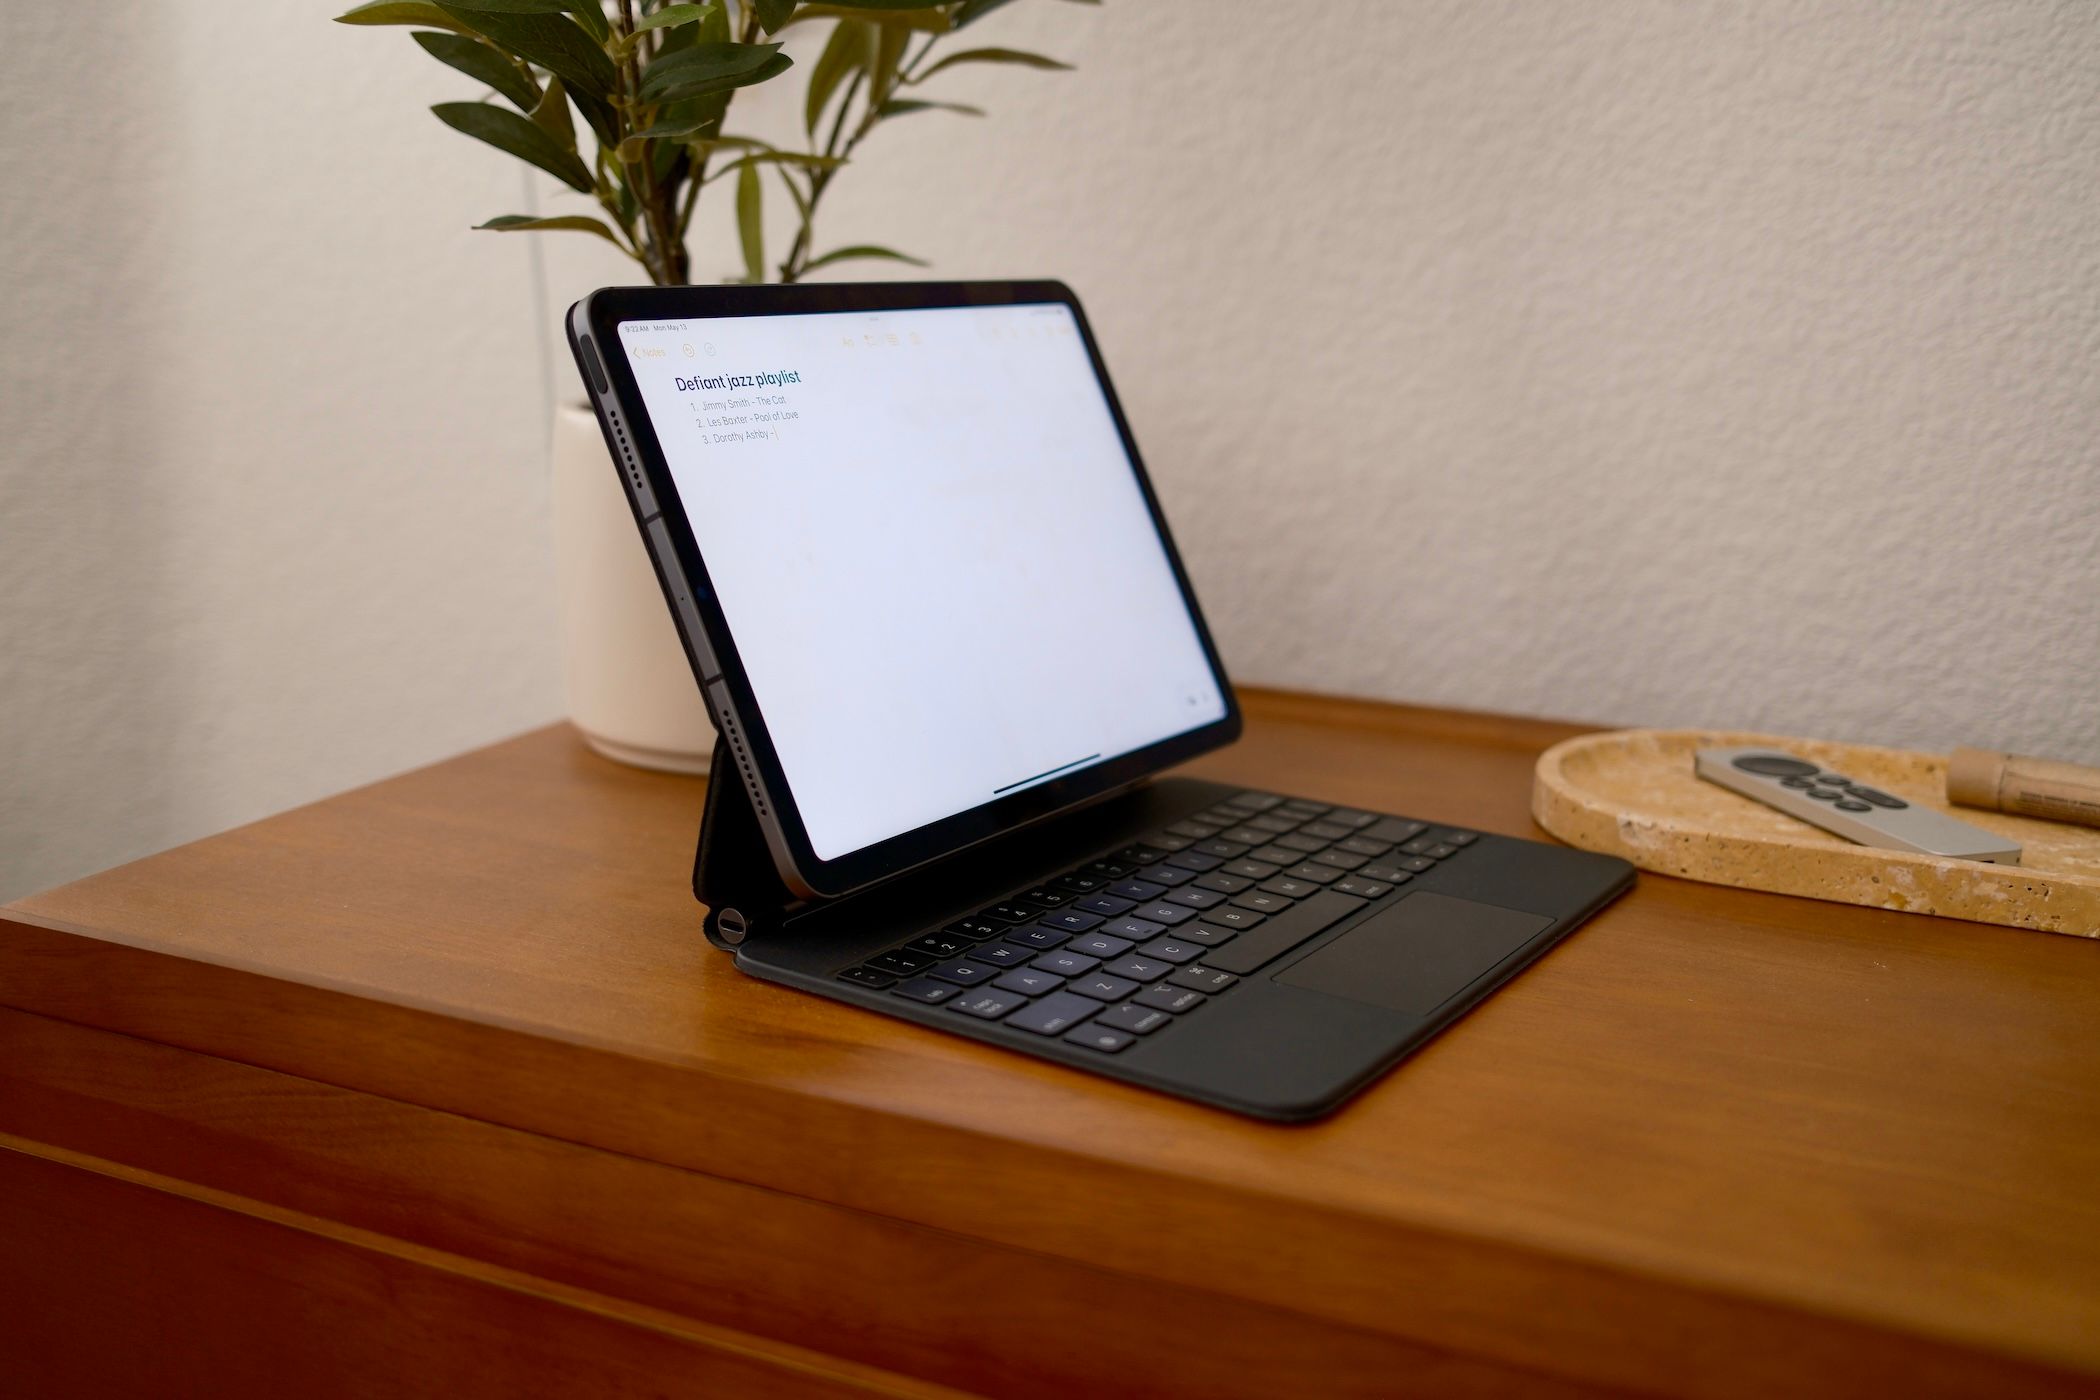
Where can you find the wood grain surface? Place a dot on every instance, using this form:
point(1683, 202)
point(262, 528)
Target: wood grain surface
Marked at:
point(1717, 1143)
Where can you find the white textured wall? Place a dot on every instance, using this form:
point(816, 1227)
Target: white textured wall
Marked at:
point(1646, 363)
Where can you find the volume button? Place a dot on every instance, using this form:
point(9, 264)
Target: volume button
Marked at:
point(682, 598)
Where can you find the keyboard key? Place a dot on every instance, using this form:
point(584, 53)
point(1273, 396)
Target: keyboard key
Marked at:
point(1358, 845)
point(1291, 889)
point(1318, 874)
point(1141, 1020)
point(1246, 835)
point(1103, 987)
point(1299, 807)
point(1105, 904)
point(1326, 831)
point(941, 945)
point(1441, 850)
point(1048, 898)
point(1003, 954)
point(1066, 963)
point(1417, 864)
point(867, 977)
point(1204, 934)
point(1195, 898)
point(1297, 841)
point(1451, 836)
point(1225, 850)
point(1139, 969)
point(1039, 937)
point(1224, 884)
point(1166, 845)
point(1167, 874)
point(1071, 920)
point(1362, 889)
point(965, 972)
point(1234, 917)
point(903, 961)
point(1195, 831)
point(976, 930)
point(1136, 930)
point(1340, 860)
point(1168, 998)
point(1078, 884)
point(1392, 873)
point(1060, 1011)
point(1257, 801)
point(1273, 824)
point(1196, 861)
point(1140, 855)
point(1420, 845)
point(1029, 981)
point(1286, 931)
point(1010, 913)
point(926, 989)
point(1262, 902)
point(1171, 950)
point(1342, 816)
point(1394, 830)
point(1095, 1036)
point(1278, 855)
point(988, 1004)
point(1139, 890)
point(1199, 978)
point(1164, 913)
point(1251, 869)
point(1099, 945)
point(1107, 869)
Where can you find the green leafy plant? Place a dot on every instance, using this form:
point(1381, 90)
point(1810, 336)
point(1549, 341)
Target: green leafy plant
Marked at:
point(652, 82)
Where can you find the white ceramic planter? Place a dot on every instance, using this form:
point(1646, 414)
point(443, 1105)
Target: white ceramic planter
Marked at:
point(631, 691)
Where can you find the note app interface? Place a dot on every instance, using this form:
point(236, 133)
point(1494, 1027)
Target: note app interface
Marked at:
point(931, 549)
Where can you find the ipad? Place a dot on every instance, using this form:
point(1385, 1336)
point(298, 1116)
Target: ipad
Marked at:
point(914, 555)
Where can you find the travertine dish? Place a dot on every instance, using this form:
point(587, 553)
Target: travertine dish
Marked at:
point(1632, 793)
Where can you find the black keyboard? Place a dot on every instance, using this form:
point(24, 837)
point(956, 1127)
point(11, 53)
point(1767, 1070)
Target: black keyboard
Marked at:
point(1124, 945)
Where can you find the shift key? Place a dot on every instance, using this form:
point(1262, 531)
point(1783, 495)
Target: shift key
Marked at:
point(1283, 932)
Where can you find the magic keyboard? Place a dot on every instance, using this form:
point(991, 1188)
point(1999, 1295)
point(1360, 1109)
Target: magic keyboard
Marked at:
point(1124, 945)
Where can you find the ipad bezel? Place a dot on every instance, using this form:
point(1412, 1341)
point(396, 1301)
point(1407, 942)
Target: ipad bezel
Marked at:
point(799, 865)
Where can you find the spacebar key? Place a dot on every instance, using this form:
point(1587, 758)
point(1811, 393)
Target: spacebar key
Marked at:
point(1283, 932)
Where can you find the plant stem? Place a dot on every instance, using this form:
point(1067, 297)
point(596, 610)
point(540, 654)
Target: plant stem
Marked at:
point(819, 180)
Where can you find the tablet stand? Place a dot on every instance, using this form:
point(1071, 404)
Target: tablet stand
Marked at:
point(733, 871)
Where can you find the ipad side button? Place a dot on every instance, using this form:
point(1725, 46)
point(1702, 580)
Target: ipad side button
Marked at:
point(682, 599)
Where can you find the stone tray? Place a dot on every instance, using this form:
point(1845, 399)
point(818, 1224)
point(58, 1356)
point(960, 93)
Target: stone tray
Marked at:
point(1632, 793)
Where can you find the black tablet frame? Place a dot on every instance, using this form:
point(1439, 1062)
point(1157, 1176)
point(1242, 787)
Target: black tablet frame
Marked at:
point(799, 866)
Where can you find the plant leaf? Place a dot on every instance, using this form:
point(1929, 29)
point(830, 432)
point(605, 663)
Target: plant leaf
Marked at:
point(706, 61)
point(552, 116)
point(1020, 56)
point(905, 106)
point(671, 14)
point(921, 17)
point(846, 51)
point(750, 213)
point(482, 62)
point(551, 40)
point(889, 48)
point(517, 136)
point(401, 12)
point(975, 10)
point(685, 89)
point(863, 250)
point(773, 14)
point(586, 12)
point(582, 223)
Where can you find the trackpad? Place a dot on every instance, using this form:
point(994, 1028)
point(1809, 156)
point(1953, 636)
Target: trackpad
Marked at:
point(1418, 954)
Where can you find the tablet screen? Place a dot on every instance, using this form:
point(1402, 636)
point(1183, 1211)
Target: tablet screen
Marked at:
point(931, 549)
